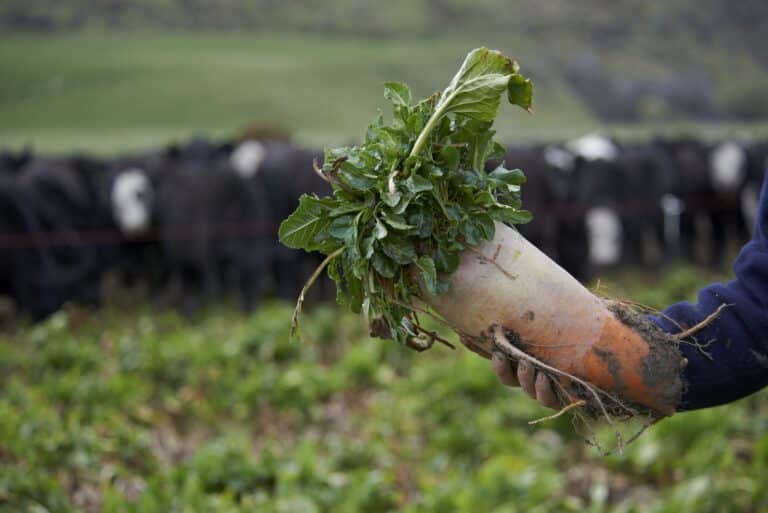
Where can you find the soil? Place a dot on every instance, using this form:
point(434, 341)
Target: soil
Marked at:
point(663, 360)
point(663, 364)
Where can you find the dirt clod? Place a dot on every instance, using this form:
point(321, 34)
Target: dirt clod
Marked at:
point(664, 360)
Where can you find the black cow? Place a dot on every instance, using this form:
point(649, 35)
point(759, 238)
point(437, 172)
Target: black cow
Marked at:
point(601, 193)
point(286, 173)
point(585, 189)
point(211, 223)
point(68, 199)
point(57, 230)
point(711, 178)
point(133, 187)
point(650, 211)
point(27, 271)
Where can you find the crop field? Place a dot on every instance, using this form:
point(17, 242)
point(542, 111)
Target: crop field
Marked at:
point(104, 93)
point(128, 410)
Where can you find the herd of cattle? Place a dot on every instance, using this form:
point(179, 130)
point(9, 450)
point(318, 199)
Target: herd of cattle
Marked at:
point(198, 222)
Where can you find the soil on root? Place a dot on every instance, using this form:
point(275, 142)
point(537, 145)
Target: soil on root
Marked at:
point(662, 368)
point(665, 362)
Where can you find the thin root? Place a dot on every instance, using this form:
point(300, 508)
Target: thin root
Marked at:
point(505, 346)
point(311, 281)
point(434, 336)
point(703, 324)
point(492, 261)
point(319, 171)
point(577, 404)
point(496, 253)
point(647, 309)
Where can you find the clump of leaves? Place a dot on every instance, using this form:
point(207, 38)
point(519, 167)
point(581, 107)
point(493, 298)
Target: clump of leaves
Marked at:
point(409, 199)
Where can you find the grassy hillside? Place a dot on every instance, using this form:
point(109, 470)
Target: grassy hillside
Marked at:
point(106, 92)
point(128, 410)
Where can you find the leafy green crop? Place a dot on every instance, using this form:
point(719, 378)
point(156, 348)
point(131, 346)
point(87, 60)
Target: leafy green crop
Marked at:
point(413, 195)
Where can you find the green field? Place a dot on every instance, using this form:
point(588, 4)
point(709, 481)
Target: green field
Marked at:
point(131, 410)
point(105, 93)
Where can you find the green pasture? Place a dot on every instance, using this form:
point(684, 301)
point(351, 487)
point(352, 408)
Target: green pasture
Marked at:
point(102, 92)
point(127, 409)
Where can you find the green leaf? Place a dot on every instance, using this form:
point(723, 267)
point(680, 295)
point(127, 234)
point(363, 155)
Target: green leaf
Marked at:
point(417, 184)
point(507, 176)
point(429, 275)
point(391, 198)
point(520, 91)
point(379, 230)
point(367, 247)
point(424, 221)
point(384, 265)
point(485, 226)
point(301, 228)
point(510, 215)
point(353, 281)
point(397, 93)
point(471, 233)
point(342, 228)
point(336, 273)
point(354, 291)
point(447, 260)
point(395, 221)
point(400, 249)
point(476, 90)
point(497, 151)
point(357, 181)
point(346, 209)
point(451, 157)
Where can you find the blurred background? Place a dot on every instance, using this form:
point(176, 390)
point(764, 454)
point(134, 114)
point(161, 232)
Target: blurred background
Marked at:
point(149, 150)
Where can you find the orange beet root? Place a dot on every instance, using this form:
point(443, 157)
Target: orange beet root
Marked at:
point(549, 315)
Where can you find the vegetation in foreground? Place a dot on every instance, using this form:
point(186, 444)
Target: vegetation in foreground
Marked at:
point(128, 410)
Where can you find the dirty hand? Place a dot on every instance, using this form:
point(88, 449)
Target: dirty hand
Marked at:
point(523, 374)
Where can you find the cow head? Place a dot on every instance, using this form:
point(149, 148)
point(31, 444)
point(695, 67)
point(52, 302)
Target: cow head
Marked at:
point(247, 158)
point(728, 167)
point(132, 198)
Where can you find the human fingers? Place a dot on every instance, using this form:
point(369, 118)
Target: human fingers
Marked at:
point(545, 393)
point(525, 376)
point(504, 368)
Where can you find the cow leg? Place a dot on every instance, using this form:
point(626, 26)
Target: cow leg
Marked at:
point(211, 282)
point(288, 274)
point(191, 288)
point(688, 236)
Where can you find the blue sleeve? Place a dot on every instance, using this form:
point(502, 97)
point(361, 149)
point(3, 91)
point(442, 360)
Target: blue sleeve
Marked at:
point(739, 336)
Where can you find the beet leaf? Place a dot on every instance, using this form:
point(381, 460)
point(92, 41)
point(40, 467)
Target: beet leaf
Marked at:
point(413, 195)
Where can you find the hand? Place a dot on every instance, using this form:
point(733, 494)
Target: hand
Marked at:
point(523, 374)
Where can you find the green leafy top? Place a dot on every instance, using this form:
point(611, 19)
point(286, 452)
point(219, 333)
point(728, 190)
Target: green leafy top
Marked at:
point(413, 195)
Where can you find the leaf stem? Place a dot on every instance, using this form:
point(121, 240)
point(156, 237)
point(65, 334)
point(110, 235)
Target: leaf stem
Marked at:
point(311, 281)
point(421, 140)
